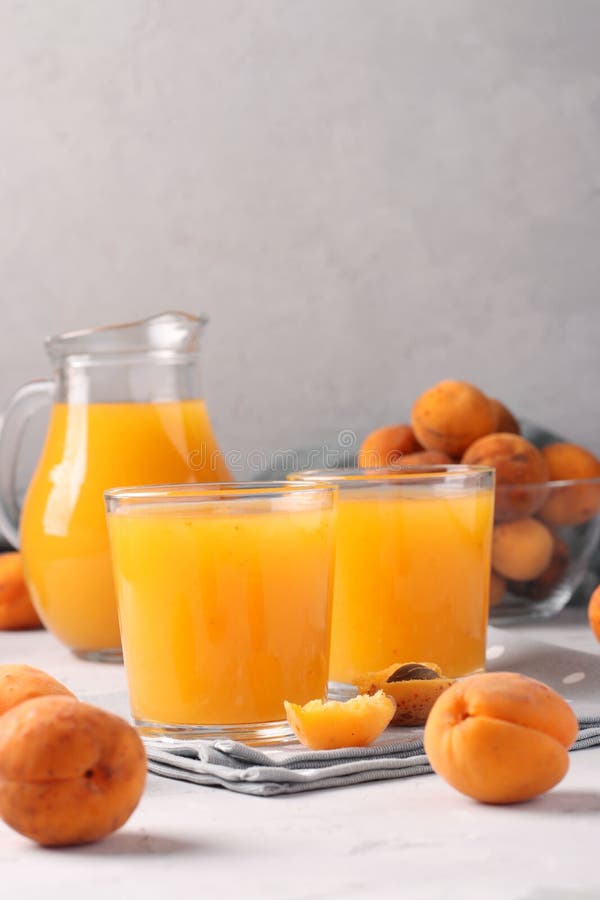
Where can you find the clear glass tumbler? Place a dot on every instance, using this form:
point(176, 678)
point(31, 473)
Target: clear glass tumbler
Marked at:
point(224, 595)
point(412, 568)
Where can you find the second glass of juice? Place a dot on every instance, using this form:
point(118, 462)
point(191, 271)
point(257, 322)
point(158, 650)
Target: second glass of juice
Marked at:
point(224, 595)
point(412, 568)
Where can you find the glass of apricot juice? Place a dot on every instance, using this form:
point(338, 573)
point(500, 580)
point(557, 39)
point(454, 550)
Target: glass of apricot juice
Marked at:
point(412, 568)
point(224, 595)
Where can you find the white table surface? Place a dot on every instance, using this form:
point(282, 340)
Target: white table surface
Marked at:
point(414, 838)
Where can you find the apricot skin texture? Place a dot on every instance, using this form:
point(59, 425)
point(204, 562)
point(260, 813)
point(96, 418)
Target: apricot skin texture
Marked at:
point(450, 416)
point(500, 737)
point(19, 683)
point(70, 773)
point(16, 609)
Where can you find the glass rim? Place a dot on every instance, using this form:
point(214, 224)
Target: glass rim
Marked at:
point(396, 475)
point(137, 338)
point(211, 490)
point(545, 485)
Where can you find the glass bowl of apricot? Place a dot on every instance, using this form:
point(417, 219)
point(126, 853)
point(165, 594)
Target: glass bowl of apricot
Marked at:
point(546, 537)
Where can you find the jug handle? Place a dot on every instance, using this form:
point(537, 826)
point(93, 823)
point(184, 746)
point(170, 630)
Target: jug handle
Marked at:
point(25, 402)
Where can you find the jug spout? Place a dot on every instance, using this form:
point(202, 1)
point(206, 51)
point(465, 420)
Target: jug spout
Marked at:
point(168, 333)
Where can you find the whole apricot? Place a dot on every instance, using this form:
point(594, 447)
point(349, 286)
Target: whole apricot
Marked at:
point(545, 583)
point(386, 446)
point(505, 421)
point(16, 609)
point(497, 588)
point(576, 503)
point(450, 416)
point(19, 683)
point(594, 613)
point(521, 550)
point(70, 773)
point(521, 472)
point(500, 737)
point(425, 458)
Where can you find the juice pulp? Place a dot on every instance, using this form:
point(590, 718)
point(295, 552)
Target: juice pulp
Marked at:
point(90, 448)
point(412, 581)
point(223, 616)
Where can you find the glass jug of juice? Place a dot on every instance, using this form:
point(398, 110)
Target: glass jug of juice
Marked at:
point(126, 410)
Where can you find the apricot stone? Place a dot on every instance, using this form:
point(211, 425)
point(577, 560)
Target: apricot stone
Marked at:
point(19, 683)
point(70, 773)
point(450, 416)
point(16, 609)
point(521, 550)
point(577, 503)
point(500, 737)
point(334, 723)
point(521, 472)
point(386, 446)
point(594, 613)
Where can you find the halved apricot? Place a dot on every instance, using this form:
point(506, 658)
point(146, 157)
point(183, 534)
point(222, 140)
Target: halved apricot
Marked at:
point(335, 723)
point(414, 686)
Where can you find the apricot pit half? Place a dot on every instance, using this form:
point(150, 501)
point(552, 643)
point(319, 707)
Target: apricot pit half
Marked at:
point(414, 686)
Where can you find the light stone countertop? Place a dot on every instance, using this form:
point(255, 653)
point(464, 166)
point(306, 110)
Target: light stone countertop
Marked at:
point(414, 838)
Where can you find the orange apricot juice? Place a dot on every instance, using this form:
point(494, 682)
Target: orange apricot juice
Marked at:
point(225, 611)
point(90, 448)
point(412, 579)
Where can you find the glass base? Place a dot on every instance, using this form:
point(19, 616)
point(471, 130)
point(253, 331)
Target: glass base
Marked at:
point(255, 734)
point(111, 655)
point(339, 690)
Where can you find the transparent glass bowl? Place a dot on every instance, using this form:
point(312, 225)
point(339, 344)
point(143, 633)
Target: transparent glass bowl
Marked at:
point(545, 539)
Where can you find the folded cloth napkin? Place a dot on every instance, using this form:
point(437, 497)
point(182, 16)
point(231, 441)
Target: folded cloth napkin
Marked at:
point(399, 754)
point(235, 766)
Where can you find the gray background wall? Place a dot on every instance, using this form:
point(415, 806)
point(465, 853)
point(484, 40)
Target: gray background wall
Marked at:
point(365, 196)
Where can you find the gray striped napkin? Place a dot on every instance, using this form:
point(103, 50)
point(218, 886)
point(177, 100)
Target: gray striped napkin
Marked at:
point(235, 766)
